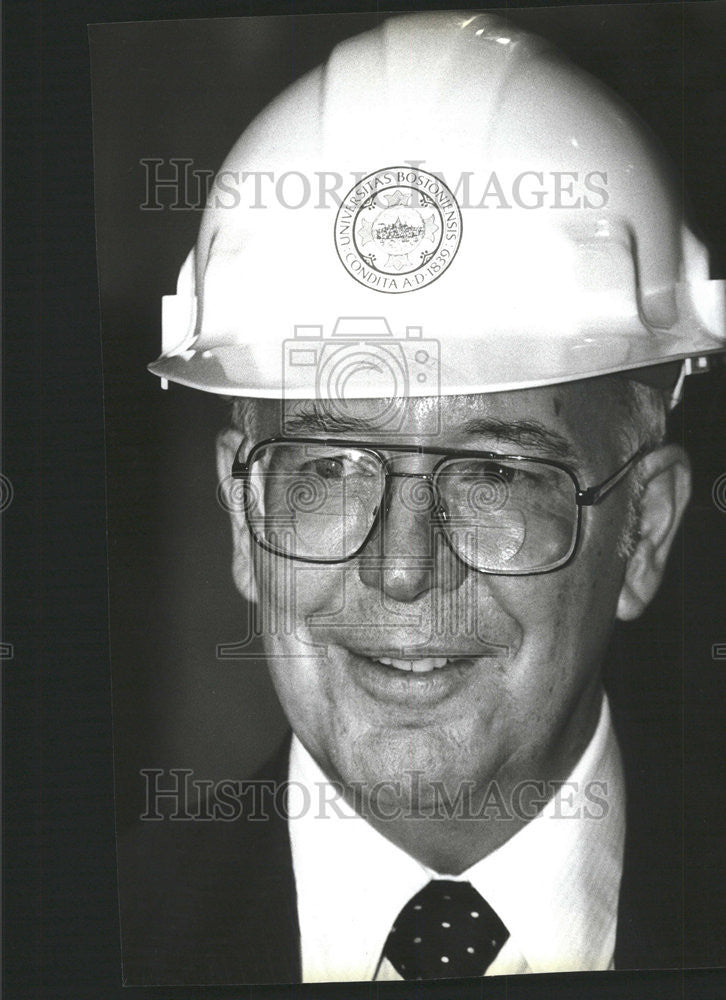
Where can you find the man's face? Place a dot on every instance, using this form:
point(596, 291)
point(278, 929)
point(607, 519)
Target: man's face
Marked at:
point(524, 713)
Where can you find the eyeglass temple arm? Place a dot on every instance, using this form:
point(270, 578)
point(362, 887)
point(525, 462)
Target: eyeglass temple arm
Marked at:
point(594, 494)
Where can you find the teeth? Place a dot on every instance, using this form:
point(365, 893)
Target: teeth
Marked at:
point(422, 666)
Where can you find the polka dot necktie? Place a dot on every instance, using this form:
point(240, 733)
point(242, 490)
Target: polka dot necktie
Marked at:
point(446, 930)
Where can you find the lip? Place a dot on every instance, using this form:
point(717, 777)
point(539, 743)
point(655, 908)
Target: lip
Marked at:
point(406, 688)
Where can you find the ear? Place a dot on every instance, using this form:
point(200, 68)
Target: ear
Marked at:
point(230, 494)
point(666, 478)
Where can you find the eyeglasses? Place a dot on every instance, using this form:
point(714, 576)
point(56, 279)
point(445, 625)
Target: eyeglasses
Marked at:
point(321, 501)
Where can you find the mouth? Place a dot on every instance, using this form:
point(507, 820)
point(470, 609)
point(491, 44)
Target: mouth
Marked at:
point(438, 659)
point(413, 683)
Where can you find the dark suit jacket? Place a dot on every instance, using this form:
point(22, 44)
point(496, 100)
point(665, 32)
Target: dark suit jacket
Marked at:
point(214, 902)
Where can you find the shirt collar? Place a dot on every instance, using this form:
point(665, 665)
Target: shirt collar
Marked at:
point(554, 883)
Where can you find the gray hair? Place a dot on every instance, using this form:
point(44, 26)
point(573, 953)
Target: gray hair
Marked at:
point(646, 410)
point(244, 416)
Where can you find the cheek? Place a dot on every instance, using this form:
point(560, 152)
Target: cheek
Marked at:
point(299, 586)
point(567, 616)
point(291, 595)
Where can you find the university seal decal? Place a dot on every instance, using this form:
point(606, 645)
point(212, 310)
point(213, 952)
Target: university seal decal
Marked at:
point(398, 229)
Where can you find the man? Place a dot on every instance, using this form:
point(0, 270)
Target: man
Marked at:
point(438, 529)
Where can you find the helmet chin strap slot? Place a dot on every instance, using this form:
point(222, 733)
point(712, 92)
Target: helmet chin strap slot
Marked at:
point(678, 388)
point(690, 366)
point(179, 312)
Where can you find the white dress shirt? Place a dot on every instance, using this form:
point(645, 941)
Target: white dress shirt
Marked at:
point(554, 883)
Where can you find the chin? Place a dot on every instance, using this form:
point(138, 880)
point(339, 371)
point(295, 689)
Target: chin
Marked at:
point(414, 760)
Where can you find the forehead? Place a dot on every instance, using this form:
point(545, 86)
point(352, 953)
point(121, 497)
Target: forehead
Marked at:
point(575, 416)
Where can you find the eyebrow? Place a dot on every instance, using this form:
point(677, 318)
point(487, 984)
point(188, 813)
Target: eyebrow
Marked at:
point(522, 434)
point(317, 419)
point(519, 433)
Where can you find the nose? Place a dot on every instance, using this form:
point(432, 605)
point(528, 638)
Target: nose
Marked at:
point(408, 553)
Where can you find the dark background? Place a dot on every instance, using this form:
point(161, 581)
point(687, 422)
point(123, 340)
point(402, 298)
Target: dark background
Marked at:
point(187, 90)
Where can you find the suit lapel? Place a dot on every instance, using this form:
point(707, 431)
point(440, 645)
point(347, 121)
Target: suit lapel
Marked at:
point(263, 944)
point(650, 911)
point(256, 918)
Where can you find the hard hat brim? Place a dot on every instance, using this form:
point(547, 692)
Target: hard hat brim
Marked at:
point(232, 371)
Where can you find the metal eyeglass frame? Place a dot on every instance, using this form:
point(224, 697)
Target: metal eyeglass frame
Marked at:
point(587, 497)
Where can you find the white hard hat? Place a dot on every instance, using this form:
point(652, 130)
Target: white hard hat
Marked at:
point(446, 206)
